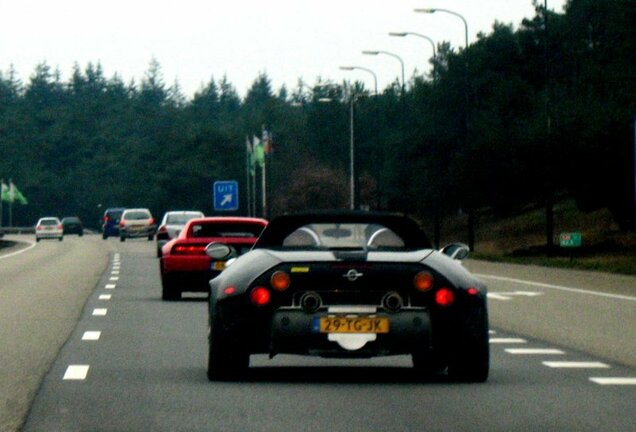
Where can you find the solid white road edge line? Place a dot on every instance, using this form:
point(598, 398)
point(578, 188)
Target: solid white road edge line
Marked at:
point(575, 365)
point(557, 287)
point(507, 341)
point(534, 351)
point(9, 255)
point(613, 381)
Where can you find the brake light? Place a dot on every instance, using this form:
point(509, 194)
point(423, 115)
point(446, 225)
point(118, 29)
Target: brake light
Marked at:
point(106, 219)
point(229, 290)
point(163, 229)
point(188, 250)
point(122, 223)
point(151, 221)
point(39, 227)
point(444, 297)
point(423, 281)
point(260, 296)
point(59, 226)
point(280, 281)
point(472, 291)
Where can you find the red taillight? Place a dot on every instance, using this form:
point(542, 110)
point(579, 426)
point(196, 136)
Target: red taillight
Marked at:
point(423, 281)
point(122, 223)
point(444, 297)
point(39, 227)
point(260, 296)
point(151, 221)
point(229, 290)
point(105, 219)
point(163, 229)
point(188, 250)
point(280, 281)
point(59, 226)
point(472, 291)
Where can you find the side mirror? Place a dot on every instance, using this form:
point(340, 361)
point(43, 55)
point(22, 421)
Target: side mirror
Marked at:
point(456, 251)
point(218, 250)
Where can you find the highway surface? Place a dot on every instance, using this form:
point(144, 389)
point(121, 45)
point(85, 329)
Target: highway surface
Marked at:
point(87, 345)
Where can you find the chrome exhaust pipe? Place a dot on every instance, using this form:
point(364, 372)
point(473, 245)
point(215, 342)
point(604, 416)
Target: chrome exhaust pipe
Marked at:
point(310, 301)
point(392, 301)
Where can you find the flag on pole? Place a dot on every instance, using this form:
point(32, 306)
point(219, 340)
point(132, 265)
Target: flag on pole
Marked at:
point(15, 195)
point(258, 153)
point(267, 139)
point(5, 192)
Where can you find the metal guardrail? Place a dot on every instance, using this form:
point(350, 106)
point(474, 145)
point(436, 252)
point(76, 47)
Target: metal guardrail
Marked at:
point(17, 230)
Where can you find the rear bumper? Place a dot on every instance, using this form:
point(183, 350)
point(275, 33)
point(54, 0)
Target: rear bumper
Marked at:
point(137, 232)
point(294, 331)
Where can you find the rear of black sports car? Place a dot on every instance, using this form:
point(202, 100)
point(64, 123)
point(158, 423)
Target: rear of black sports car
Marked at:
point(351, 304)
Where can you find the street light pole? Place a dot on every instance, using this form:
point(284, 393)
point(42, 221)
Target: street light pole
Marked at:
point(375, 77)
point(433, 10)
point(392, 55)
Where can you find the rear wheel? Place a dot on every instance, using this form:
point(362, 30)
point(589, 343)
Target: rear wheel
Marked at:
point(151, 237)
point(226, 359)
point(122, 238)
point(104, 236)
point(169, 290)
point(470, 359)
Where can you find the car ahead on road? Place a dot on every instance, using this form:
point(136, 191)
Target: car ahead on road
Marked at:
point(184, 265)
point(49, 228)
point(72, 225)
point(110, 222)
point(136, 222)
point(171, 225)
point(348, 284)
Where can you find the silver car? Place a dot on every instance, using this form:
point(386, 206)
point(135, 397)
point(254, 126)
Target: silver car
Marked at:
point(49, 228)
point(136, 223)
point(172, 224)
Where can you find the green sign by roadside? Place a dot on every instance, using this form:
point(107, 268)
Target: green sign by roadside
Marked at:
point(573, 239)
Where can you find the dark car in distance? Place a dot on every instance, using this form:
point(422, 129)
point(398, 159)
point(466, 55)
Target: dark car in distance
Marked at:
point(348, 284)
point(72, 225)
point(110, 222)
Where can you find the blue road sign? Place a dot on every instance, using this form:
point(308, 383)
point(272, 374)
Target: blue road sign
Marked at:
point(225, 195)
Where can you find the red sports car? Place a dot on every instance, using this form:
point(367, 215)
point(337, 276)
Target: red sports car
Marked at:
point(184, 265)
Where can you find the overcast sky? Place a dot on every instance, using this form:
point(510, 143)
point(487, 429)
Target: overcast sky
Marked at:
point(195, 40)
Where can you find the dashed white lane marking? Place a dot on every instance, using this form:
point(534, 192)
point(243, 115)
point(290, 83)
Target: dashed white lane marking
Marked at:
point(576, 365)
point(507, 341)
point(613, 381)
point(105, 296)
point(114, 272)
point(495, 296)
point(91, 335)
point(534, 351)
point(114, 278)
point(110, 286)
point(557, 287)
point(76, 372)
point(100, 312)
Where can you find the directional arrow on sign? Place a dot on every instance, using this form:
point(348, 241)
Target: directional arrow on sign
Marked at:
point(226, 199)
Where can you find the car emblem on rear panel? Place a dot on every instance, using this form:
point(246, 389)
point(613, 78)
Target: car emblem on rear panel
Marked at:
point(352, 275)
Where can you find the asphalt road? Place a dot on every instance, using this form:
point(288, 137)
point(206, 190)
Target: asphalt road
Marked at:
point(133, 362)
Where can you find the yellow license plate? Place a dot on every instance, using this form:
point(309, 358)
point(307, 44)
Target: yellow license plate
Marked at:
point(218, 265)
point(354, 324)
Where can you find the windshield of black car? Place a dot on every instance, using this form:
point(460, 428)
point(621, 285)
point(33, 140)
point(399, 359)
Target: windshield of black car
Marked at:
point(344, 236)
point(223, 229)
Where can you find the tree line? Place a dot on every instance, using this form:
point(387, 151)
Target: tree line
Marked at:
point(523, 116)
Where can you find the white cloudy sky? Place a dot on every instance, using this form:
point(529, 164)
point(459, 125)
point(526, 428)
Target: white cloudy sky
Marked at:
point(194, 40)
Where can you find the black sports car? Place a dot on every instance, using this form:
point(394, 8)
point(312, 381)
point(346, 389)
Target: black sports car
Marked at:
point(348, 284)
